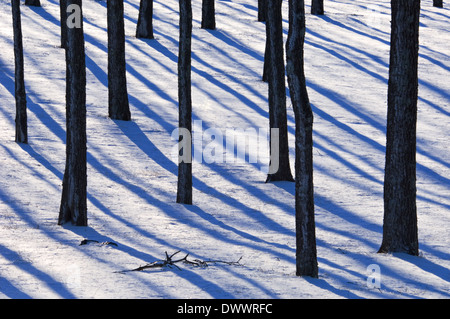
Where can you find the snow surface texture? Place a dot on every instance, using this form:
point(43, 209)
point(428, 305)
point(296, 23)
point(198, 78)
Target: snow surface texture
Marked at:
point(132, 175)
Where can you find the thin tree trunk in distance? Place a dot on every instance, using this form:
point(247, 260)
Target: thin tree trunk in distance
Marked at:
point(277, 92)
point(184, 187)
point(317, 7)
point(34, 3)
point(266, 60)
point(118, 106)
point(144, 27)
point(208, 14)
point(400, 211)
point(306, 255)
point(262, 14)
point(63, 19)
point(20, 93)
point(438, 3)
point(74, 193)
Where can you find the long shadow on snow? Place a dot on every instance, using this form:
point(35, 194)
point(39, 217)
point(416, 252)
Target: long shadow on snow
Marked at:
point(206, 75)
point(201, 213)
point(88, 232)
point(334, 96)
point(329, 118)
point(41, 114)
point(84, 232)
point(14, 292)
point(372, 57)
point(177, 213)
point(103, 78)
point(10, 290)
point(420, 262)
point(135, 134)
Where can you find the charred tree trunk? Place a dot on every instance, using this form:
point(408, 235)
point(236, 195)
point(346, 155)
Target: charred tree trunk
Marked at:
point(144, 27)
point(63, 18)
point(306, 255)
point(317, 7)
point(184, 188)
point(74, 193)
point(20, 93)
point(438, 3)
point(262, 10)
point(34, 3)
point(208, 15)
point(277, 93)
point(400, 212)
point(118, 106)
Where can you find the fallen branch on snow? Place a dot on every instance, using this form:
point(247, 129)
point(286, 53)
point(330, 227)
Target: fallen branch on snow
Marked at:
point(87, 241)
point(169, 262)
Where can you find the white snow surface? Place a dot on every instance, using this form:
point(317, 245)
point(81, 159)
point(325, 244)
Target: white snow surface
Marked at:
point(132, 175)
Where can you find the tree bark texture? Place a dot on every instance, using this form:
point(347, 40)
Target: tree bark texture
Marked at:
point(317, 7)
point(184, 187)
point(74, 193)
point(400, 212)
point(277, 90)
point(19, 77)
point(208, 15)
point(306, 255)
point(63, 22)
point(144, 27)
point(118, 106)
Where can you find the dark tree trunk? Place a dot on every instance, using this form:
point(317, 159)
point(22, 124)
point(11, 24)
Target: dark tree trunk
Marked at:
point(262, 10)
point(438, 3)
point(400, 212)
point(317, 7)
point(34, 3)
point(20, 94)
point(277, 94)
point(184, 190)
point(144, 27)
point(63, 22)
point(118, 105)
point(306, 255)
point(266, 60)
point(208, 14)
point(73, 202)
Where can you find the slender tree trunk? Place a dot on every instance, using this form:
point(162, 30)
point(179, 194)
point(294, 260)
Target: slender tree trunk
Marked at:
point(63, 22)
point(144, 27)
point(20, 94)
point(208, 14)
point(306, 255)
point(265, 76)
point(400, 212)
point(74, 193)
point(118, 105)
point(262, 16)
point(34, 3)
point(184, 191)
point(262, 10)
point(438, 3)
point(317, 7)
point(277, 92)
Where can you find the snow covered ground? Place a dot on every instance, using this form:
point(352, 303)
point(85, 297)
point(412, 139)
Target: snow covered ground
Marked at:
point(132, 175)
